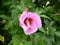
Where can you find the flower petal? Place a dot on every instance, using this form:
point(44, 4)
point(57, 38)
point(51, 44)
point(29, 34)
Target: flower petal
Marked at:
point(36, 19)
point(31, 29)
point(21, 20)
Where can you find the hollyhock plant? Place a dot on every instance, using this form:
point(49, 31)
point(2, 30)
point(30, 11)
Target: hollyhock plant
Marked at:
point(30, 22)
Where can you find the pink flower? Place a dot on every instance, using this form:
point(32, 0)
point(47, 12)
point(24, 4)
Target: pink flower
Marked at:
point(30, 22)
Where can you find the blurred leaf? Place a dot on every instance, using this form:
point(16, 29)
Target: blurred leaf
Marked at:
point(49, 10)
point(46, 22)
point(1, 12)
point(27, 43)
point(15, 40)
point(56, 17)
point(58, 0)
point(13, 6)
point(9, 24)
point(20, 8)
point(5, 17)
point(21, 44)
point(7, 3)
point(14, 1)
point(57, 33)
point(52, 31)
point(2, 38)
point(49, 43)
point(44, 16)
point(39, 11)
point(41, 42)
point(42, 30)
point(51, 23)
point(14, 13)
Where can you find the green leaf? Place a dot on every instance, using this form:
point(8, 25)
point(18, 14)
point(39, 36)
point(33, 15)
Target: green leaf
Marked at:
point(2, 38)
point(57, 33)
point(46, 22)
point(7, 3)
point(41, 42)
point(20, 8)
point(39, 11)
point(15, 40)
point(49, 10)
point(52, 31)
point(4, 17)
point(44, 16)
point(51, 23)
point(9, 24)
point(48, 41)
point(27, 43)
point(42, 30)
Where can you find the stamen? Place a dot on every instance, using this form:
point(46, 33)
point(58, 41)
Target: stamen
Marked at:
point(27, 22)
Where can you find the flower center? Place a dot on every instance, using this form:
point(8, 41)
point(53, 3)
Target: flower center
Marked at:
point(27, 22)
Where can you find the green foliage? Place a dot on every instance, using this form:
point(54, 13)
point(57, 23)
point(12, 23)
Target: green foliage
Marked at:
point(1, 38)
point(49, 34)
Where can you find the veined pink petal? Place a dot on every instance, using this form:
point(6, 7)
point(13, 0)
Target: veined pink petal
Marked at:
point(21, 20)
point(36, 19)
point(31, 29)
point(23, 17)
